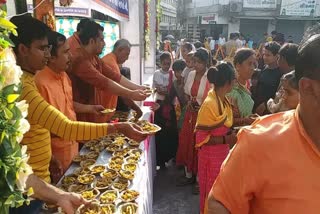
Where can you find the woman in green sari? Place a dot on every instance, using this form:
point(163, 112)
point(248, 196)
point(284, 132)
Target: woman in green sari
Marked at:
point(240, 96)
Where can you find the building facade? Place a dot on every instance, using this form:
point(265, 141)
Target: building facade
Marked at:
point(252, 18)
point(168, 23)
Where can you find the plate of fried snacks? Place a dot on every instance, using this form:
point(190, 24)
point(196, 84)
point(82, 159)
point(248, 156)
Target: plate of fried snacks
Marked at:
point(128, 208)
point(112, 174)
point(108, 111)
point(86, 179)
point(113, 148)
point(97, 169)
point(148, 127)
point(87, 163)
point(120, 153)
point(117, 159)
point(90, 144)
point(109, 196)
point(92, 208)
point(77, 188)
point(114, 166)
point(103, 183)
point(129, 167)
point(78, 158)
point(133, 143)
point(129, 195)
point(92, 155)
point(90, 194)
point(127, 174)
point(135, 153)
point(108, 208)
point(132, 159)
point(69, 179)
point(120, 184)
point(82, 171)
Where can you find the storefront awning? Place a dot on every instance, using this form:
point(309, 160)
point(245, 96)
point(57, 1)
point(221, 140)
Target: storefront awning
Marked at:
point(255, 17)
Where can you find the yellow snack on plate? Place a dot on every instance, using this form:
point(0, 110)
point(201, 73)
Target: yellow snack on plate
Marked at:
point(108, 111)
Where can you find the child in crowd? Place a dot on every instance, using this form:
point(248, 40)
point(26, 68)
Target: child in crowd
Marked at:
point(269, 78)
point(287, 60)
point(165, 116)
point(190, 66)
point(289, 94)
point(178, 89)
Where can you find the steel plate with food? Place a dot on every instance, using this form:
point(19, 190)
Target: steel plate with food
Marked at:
point(114, 166)
point(129, 195)
point(90, 194)
point(113, 148)
point(133, 143)
point(92, 208)
point(120, 153)
point(103, 183)
point(77, 188)
point(97, 169)
point(87, 163)
point(108, 208)
point(92, 155)
point(86, 178)
point(120, 184)
point(108, 111)
point(127, 174)
point(78, 158)
point(117, 159)
point(148, 127)
point(69, 179)
point(128, 208)
point(129, 167)
point(135, 153)
point(109, 196)
point(112, 174)
point(131, 159)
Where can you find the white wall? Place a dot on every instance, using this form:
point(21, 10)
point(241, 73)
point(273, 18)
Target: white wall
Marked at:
point(11, 8)
point(131, 30)
point(233, 26)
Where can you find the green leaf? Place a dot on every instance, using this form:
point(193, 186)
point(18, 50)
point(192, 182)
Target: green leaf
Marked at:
point(10, 89)
point(3, 134)
point(12, 97)
point(8, 113)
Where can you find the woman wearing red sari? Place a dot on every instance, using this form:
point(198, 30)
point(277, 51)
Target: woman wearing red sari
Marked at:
point(213, 128)
point(196, 90)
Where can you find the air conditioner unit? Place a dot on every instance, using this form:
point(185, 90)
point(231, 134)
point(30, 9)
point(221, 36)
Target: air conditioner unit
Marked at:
point(235, 7)
point(223, 10)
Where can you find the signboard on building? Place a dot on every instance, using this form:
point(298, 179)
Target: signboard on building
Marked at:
point(119, 9)
point(299, 8)
point(269, 4)
point(78, 8)
point(209, 19)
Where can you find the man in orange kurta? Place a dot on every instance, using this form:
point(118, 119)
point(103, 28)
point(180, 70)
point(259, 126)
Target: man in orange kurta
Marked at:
point(92, 79)
point(55, 87)
point(114, 60)
point(74, 40)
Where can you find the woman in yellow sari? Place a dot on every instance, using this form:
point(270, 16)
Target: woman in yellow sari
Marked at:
point(213, 133)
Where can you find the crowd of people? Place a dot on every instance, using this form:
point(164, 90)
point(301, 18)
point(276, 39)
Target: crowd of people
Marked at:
point(205, 101)
point(269, 166)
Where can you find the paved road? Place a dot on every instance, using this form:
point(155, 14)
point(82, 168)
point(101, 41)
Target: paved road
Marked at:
point(169, 199)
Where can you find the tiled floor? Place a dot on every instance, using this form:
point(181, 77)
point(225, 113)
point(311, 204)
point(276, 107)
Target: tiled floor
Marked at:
point(169, 199)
